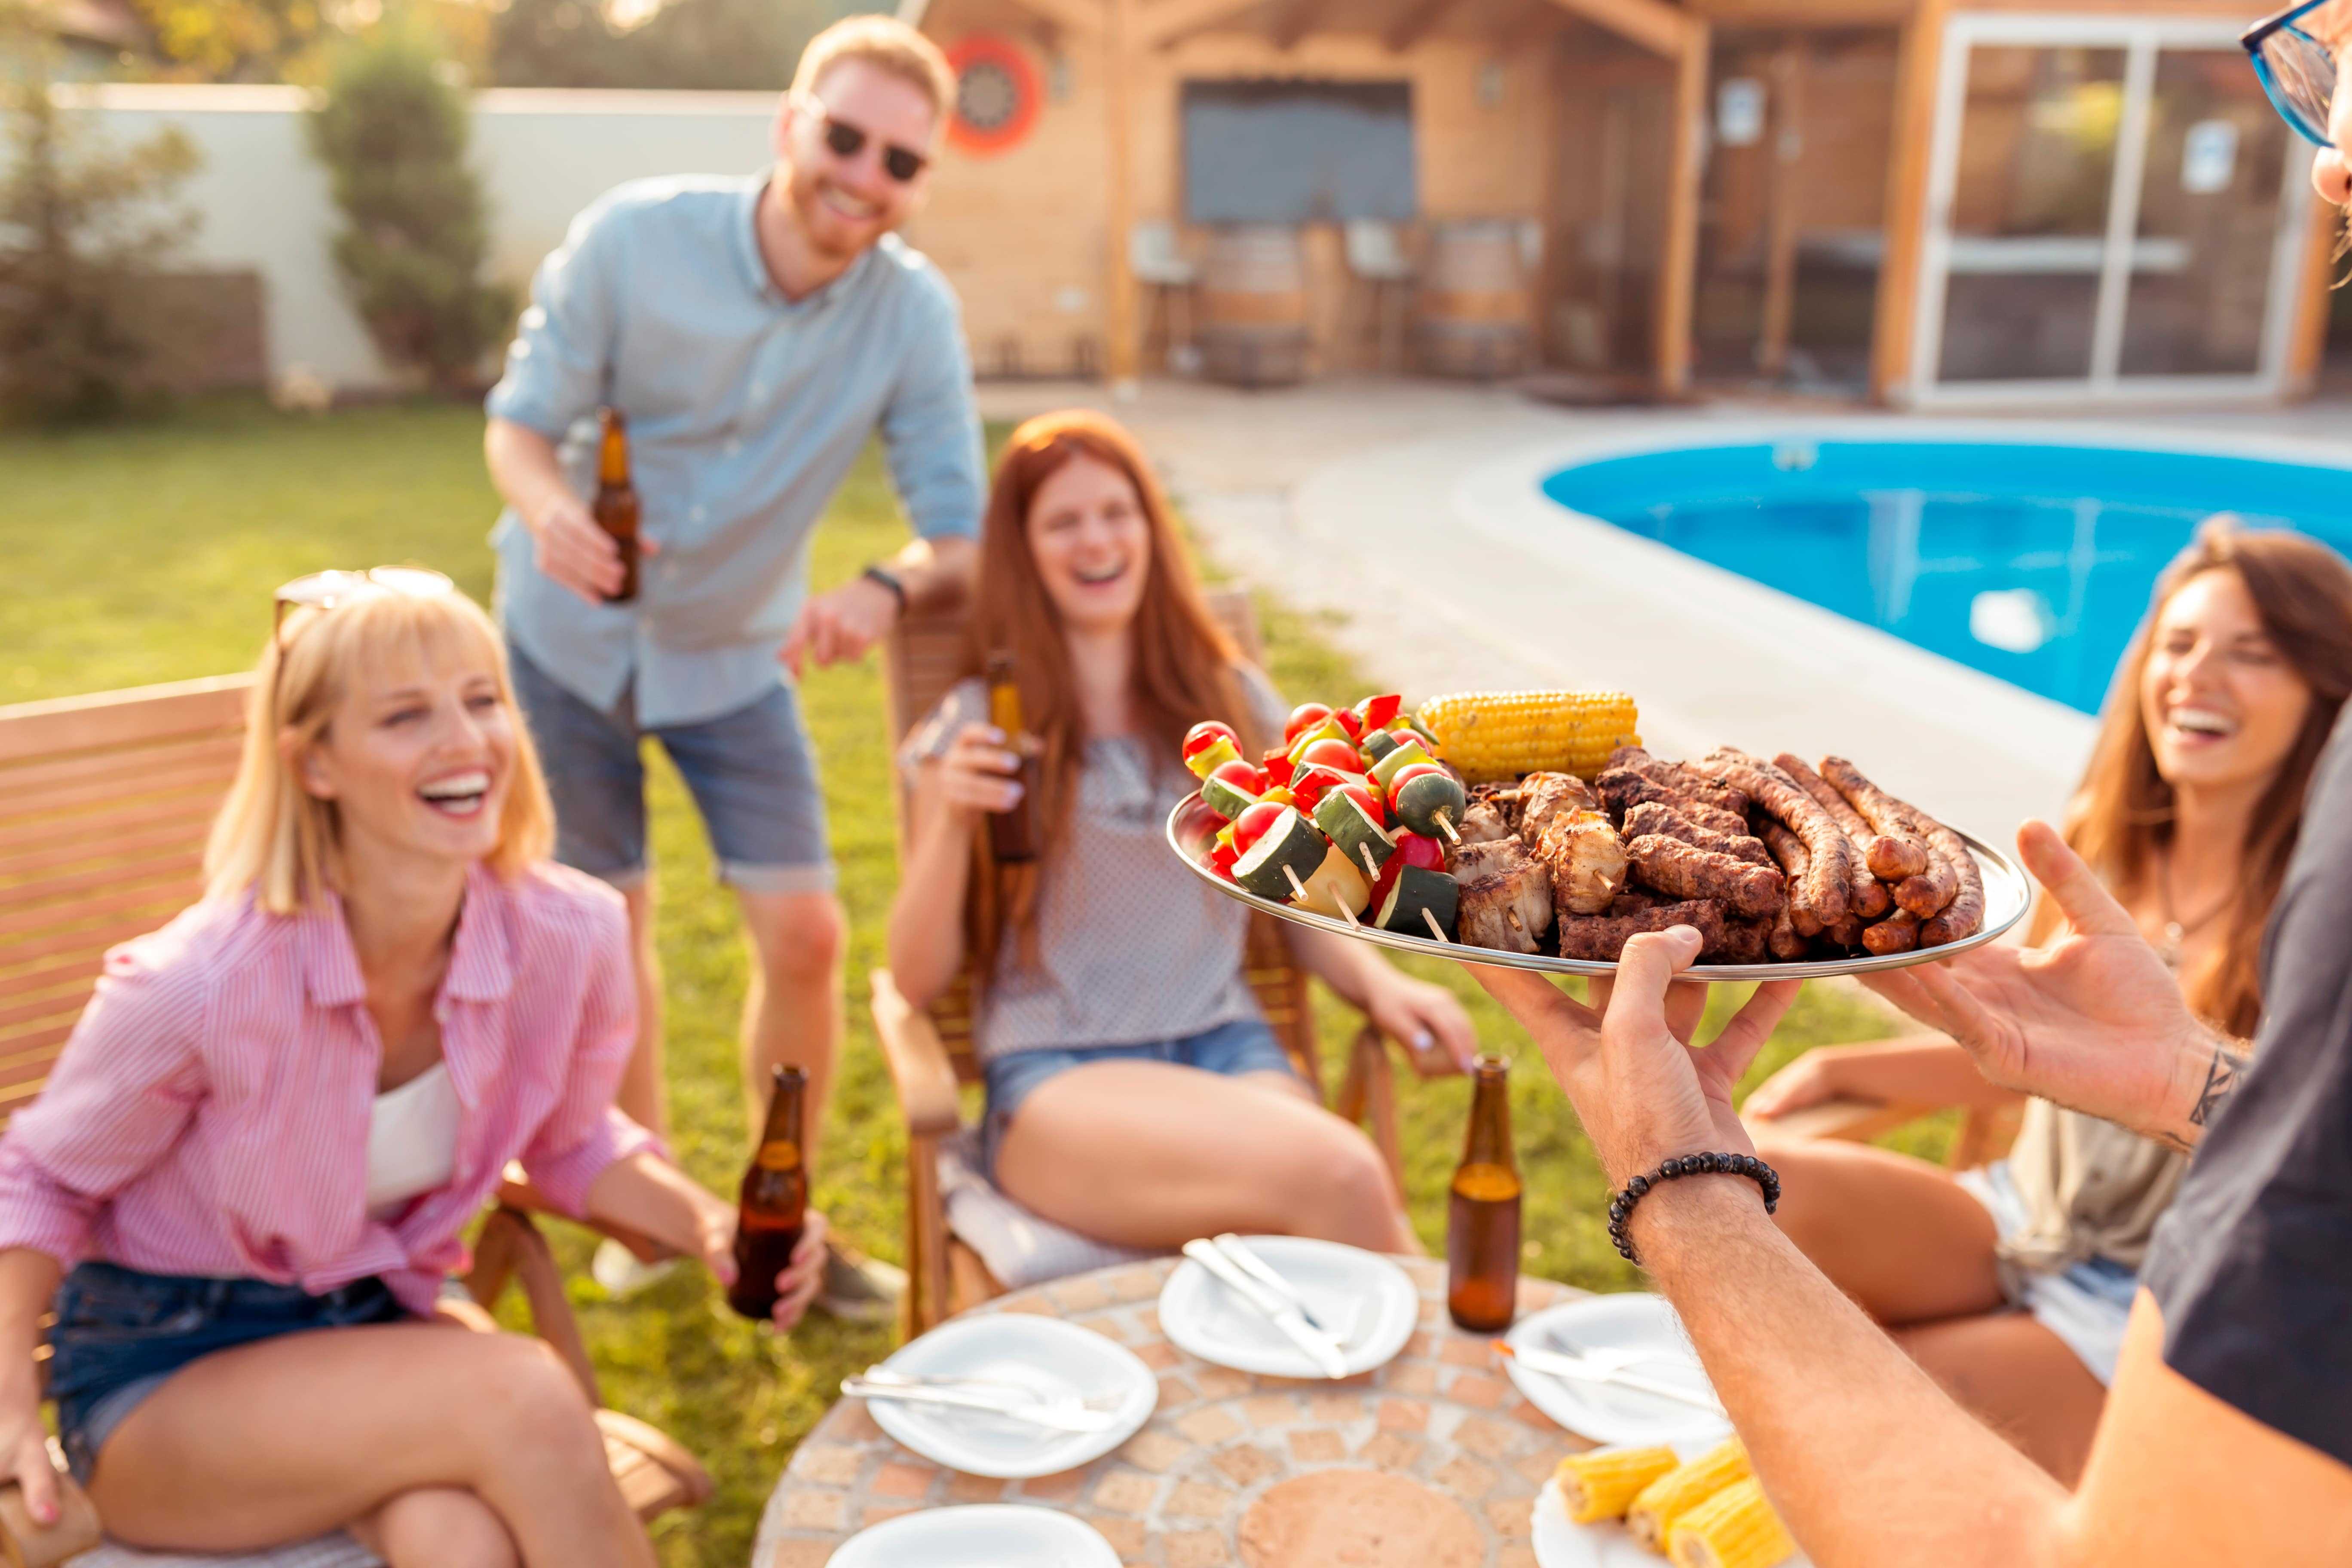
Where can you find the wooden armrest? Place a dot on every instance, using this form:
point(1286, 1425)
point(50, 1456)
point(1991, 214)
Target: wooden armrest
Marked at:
point(918, 1059)
point(1856, 1121)
point(515, 1191)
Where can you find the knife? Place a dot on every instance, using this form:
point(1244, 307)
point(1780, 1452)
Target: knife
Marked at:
point(1321, 1348)
point(1554, 1364)
point(1259, 1269)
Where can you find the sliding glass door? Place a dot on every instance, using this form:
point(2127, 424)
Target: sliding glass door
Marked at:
point(2113, 210)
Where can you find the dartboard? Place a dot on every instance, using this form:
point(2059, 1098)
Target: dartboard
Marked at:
point(996, 94)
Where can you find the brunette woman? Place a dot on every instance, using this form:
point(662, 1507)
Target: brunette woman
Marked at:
point(2012, 1284)
point(256, 1155)
point(1135, 1093)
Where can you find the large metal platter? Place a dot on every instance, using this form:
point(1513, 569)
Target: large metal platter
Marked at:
point(1193, 827)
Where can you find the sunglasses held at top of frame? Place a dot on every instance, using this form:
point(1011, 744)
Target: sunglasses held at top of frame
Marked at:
point(2297, 70)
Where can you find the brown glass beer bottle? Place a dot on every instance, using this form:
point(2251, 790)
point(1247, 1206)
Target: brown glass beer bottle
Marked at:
point(1482, 1222)
point(615, 507)
point(774, 1208)
point(1013, 835)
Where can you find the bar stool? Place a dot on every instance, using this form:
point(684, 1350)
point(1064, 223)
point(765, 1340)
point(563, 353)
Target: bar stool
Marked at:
point(1381, 275)
point(1158, 264)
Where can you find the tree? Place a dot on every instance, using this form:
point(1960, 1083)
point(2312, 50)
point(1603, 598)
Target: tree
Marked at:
point(231, 40)
point(392, 132)
point(750, 45)
point(83, 236)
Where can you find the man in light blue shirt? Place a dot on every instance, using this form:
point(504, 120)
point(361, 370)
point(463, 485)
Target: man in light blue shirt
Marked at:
point(754, 333)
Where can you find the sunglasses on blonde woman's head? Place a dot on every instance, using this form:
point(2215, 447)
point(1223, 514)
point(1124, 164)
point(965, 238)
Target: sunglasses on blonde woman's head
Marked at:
point(847, 141)
point(2297, 70)
point(325, 591)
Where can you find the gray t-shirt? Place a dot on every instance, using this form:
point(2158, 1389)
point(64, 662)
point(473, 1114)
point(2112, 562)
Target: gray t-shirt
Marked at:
point(2253, 1265)
point(1131, 946)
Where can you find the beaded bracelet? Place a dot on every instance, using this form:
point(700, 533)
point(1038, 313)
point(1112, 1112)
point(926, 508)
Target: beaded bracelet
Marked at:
point(1621, 1206)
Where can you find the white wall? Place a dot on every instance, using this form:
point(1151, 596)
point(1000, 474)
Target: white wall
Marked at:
point(542, 154)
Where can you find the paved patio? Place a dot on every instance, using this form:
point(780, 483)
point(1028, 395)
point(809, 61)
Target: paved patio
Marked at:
point(1407, 513)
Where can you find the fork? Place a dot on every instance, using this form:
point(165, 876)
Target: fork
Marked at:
point(1610, 1358)
point(991, 1386)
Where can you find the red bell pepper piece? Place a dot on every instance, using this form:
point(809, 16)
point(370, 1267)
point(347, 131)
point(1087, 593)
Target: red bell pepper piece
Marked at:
point(1378, 712)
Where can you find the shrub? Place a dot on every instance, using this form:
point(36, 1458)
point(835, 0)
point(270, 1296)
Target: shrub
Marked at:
point(393, 133)
point(83, 238)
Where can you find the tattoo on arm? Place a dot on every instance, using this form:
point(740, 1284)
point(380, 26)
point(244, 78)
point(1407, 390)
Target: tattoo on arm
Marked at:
point(2221, 1075)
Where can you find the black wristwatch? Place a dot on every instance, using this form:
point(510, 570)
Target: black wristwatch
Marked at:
point(888, 580)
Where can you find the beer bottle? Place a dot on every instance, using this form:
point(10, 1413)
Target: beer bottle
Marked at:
point(774, 1208)
point(1013, 835)
point(616, 507)
point(1482, 1222)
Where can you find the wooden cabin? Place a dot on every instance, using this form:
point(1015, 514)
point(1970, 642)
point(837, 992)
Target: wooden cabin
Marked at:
point(1926, 203)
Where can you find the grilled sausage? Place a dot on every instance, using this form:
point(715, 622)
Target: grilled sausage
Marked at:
point(1965, 912)
point(1603, 937)
point(1898, 932)
point(1829, 878)
point(1870, 898)
point(1657, 817)
point(1897, 852)
point(1795, 861)
point(1672, 866)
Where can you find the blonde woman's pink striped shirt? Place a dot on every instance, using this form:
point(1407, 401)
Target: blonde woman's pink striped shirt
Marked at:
point(210, 1115)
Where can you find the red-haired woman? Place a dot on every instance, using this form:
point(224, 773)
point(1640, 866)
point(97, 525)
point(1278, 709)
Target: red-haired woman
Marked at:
point(1135, 1094)
point(2012, 1284)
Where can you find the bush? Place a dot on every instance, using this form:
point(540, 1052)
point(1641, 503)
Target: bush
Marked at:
point(393, 133)
point(82, 334)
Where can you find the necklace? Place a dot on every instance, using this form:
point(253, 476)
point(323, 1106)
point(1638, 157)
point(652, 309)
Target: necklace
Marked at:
point(2175, 932)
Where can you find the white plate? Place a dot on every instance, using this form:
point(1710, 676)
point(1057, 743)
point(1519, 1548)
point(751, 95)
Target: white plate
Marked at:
point(1560, 1543)
point(1606, 1414)
point(1057, 1359)
point(1366, 1299)
point(985, 1535)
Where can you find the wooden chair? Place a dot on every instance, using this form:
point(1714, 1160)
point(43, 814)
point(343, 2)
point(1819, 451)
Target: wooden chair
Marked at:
point(929, 1051)
point(105, 801)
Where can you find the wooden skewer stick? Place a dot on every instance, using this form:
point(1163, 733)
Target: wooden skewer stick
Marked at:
point(1299, 889)
point(1370, 867)
point(1446, 825)
point(1435, 929)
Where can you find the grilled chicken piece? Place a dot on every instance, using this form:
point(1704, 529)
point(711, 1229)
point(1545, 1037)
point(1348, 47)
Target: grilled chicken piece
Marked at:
point(1546, 797)
point(1482, 824)
point(1506, 901)
point(1586, 860)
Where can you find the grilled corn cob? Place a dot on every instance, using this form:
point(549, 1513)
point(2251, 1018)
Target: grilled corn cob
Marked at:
point(1736, 1528)
point(1675, 1493)
point(1603, 1483)
point(1502, 734)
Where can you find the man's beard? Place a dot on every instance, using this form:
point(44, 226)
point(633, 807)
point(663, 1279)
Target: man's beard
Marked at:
point(821, 226)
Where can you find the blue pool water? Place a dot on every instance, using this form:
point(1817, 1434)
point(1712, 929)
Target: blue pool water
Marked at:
point(2029, 562)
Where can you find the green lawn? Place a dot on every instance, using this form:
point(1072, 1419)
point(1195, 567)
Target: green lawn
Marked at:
point(148, 552)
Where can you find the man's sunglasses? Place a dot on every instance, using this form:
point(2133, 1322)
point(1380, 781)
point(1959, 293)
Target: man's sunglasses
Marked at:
point(2297, 69)
point(847, 141)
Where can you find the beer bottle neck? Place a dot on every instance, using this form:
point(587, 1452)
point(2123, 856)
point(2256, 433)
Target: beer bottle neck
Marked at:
point(613, 457)
point(1005, 695)
point(783, 1124)
point(1489, 1143)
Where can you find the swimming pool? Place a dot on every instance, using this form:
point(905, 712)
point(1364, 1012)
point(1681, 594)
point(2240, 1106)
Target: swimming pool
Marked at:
point(2028, 562)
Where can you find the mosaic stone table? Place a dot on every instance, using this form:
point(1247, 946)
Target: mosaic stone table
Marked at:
point(1431, 1461)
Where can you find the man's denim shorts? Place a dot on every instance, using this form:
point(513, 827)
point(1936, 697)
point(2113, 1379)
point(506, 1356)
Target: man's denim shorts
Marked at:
point(752, 774)
point(120, 1333)
point(1244, 1046)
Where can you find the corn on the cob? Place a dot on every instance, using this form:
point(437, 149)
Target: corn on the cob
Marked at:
point(1736, 1528)
point(1502, 734)
point(1603, 1483)
point(1678, 1491)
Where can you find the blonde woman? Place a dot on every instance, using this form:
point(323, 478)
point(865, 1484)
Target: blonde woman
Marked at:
point(243, 1185)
